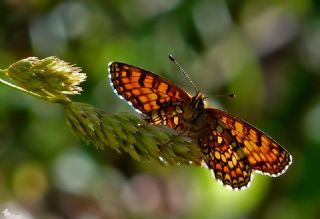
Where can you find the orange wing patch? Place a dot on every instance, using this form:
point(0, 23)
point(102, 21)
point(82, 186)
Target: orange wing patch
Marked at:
point(144, 90)
point(223, 155)
point(263, 153)
point(168, 116)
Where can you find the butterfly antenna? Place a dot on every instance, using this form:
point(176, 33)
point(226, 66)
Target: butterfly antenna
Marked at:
point(183, 71)
point(225, 95)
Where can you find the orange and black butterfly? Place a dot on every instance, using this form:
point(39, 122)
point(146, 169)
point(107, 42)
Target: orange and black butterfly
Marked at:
point(230, 147)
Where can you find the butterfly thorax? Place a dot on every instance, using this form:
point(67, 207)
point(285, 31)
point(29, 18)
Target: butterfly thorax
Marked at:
point(193, 109)
point(192, 116)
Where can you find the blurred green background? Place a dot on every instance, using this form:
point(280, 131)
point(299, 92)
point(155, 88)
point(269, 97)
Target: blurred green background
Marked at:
point(266, 52)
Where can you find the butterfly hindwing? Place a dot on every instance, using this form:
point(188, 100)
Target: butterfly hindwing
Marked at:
point(224, 157)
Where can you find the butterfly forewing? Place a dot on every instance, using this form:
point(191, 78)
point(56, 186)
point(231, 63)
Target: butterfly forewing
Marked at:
point(145, 91)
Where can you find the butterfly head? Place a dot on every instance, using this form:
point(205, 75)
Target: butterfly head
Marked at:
point(197, 105)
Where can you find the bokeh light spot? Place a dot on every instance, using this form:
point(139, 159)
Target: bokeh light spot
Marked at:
point(29, 182)
point(73, 171)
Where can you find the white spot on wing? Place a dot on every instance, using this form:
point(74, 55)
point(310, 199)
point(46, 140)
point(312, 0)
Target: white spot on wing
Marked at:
point(116, 92)
point(130, 104)
point(204, 164)
point(277, 174)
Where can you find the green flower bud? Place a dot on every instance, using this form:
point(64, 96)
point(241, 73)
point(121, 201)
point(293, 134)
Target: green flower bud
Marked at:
point(49, 78)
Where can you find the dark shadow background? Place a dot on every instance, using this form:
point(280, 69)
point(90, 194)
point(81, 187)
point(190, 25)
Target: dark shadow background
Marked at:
point(266, 52)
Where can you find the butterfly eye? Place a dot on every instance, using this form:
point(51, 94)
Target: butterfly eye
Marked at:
point(200, 105)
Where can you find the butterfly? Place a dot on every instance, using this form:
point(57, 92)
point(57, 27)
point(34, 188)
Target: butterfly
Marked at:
point(231, 147)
